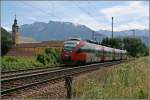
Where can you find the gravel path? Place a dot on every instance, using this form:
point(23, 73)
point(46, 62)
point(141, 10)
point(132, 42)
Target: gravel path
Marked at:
point(49, 90)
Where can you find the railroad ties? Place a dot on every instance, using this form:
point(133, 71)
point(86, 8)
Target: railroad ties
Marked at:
point(11, 83)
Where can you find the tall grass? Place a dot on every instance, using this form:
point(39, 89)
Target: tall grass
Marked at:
point(128, 80)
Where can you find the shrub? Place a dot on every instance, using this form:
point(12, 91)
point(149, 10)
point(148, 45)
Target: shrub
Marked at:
point(49, 57)
point(41, 59)
point(141, 94)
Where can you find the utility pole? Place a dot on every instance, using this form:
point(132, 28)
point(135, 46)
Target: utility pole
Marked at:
point(68, 85)
point(93, 35)
point(112, 27)
point(133, 33)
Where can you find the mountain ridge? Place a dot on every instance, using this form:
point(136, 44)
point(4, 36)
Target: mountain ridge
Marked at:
point(55, 30)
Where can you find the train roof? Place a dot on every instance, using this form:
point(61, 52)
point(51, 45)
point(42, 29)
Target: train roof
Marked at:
point(74, 38)
point(120, 51)
point(124, 51)
point(92, 41)
point(108, 48)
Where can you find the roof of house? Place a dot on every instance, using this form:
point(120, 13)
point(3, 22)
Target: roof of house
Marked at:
point(41, 44)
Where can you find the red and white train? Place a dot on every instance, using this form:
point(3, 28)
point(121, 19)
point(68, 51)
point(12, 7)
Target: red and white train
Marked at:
point(77, 50)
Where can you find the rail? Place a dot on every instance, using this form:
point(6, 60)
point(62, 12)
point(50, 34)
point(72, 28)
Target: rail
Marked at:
point(14, 83)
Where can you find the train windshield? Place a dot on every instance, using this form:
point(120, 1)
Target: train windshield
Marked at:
point(70, 44)
point(68, 48)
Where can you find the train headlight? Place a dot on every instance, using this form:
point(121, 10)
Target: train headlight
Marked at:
point(77, 43)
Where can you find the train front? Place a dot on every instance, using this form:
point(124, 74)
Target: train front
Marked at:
point(69, 50)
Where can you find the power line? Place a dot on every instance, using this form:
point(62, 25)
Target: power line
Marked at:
point(87, 12)
point(43, 11)
point(90, 15)
point(132, 29)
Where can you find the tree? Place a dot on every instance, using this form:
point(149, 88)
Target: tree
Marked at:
point(50, 56)
point(6, 41)
point(135, 47)
point(114, 43)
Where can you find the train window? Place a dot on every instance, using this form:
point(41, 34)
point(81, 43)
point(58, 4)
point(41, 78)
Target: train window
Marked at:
point(69, 43)
point(68, 48)
point(98, 53)
point(105, 53)
point(101, 53)
point(79, 51)
point(109, 53)
point(74, 39)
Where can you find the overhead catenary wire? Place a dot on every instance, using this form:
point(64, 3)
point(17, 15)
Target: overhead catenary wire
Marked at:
point(91, 16)
point(41, 10)
point(57, 17)
point(86, 12)
point(94, 8)
point(131, 29)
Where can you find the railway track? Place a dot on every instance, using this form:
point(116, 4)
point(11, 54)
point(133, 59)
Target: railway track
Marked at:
point(19, 73)
point(10, 83)
point(5, 74)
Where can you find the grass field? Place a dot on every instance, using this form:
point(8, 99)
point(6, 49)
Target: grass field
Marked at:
point(125, 81)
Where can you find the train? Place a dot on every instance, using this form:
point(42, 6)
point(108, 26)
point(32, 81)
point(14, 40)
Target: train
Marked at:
point(77, 50)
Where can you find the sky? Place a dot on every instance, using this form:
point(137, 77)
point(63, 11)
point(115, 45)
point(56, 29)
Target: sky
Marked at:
point(96, 15)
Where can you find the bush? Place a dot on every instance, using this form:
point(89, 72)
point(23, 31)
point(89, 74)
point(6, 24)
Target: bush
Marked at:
point(135, 47)
point(141, 94)
point(49, 57)
point(41, 59)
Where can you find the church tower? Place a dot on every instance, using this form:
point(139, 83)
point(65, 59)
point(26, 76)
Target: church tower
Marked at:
point(15, 32)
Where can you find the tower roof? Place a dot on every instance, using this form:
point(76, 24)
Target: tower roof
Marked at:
point(15, 21)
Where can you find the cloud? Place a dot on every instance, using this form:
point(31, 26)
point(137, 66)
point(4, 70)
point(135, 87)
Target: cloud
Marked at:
point(131, 26)
point(132, 9)
point(88, 21)
point(131, 14)
point(134, 13)
point(33, 19)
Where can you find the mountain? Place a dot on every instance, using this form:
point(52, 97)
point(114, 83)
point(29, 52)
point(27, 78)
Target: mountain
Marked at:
point(54, 30)
point(27, 40)
point(142, 34)
point(138, 32)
